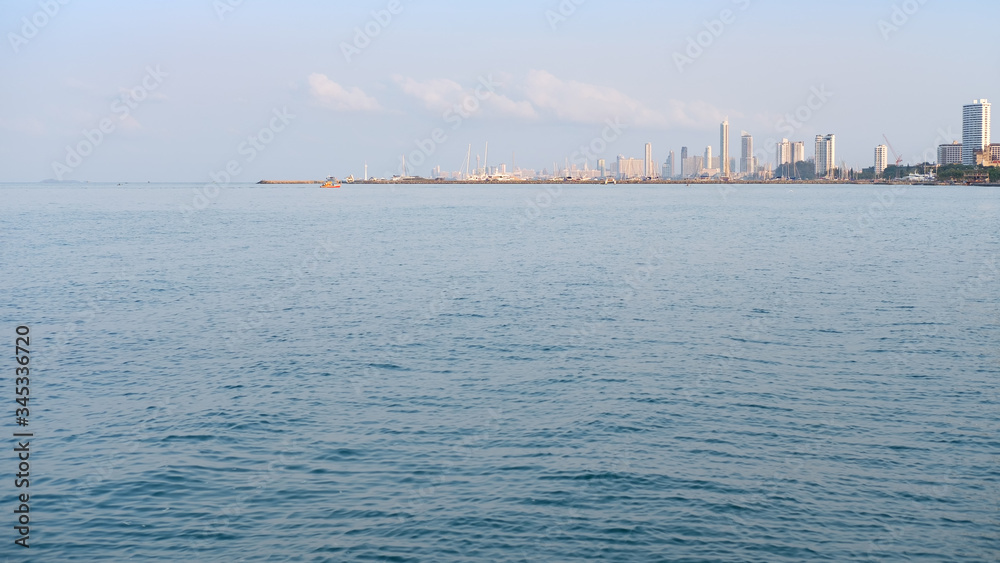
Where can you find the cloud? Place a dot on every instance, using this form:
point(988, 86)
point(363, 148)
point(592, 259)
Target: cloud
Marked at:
point(547, 96)
point(579, 102)
point(437, 94)
point(335, 96)
point(442, 95)
point(507, 106)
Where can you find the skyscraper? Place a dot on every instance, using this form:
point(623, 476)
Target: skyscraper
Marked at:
point(784, 153)
point(798, 151)
point(826, 156)
point(881, 159)
point(976, 133)
point(724, 149)
point(650, 171)
point(747, 163)
point(707, 163)
point(668, 167)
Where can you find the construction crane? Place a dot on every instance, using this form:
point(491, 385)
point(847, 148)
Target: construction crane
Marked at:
point(899, 159)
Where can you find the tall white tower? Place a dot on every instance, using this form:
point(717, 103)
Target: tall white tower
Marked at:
point(976, 133)
point(826, 155)
point(881, 159)
point(724, 149)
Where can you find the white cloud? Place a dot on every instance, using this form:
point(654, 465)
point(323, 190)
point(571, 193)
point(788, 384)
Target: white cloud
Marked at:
point(333, 95)
point(441, 95)
point(579, 102)
point(507, 106)
point(437, 94)
point(587, 103)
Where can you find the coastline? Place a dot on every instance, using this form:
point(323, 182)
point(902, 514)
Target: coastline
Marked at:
point(562, 182)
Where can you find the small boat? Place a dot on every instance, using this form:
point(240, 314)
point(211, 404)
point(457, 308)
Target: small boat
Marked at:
point(331, 182)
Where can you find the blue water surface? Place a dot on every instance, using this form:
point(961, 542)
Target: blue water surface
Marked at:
point(501, 373)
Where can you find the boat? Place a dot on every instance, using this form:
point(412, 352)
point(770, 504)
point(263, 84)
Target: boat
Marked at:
point(331, 182)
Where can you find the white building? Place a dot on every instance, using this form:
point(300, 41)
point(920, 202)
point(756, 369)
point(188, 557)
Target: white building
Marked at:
point(881, 159)
point(724, 148)
point(798, 151)
point(975, 130)
point(630, 168)
point(790, 153)
point(950, 154)
point(649, 164)
point(826, 156)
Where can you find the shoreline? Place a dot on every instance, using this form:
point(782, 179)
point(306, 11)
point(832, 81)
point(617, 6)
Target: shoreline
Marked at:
point(560, 182)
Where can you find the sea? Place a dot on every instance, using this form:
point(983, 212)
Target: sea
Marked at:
point(452, 373)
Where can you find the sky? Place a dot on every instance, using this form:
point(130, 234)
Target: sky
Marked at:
point(180, 91)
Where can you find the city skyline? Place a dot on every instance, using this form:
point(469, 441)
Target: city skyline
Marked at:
point(975, 149)
point(367, 83)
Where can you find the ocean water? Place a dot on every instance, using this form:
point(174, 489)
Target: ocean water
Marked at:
point(530, 373)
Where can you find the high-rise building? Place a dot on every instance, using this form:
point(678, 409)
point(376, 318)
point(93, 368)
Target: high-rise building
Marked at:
point(790, 153)
point(602, 165)
point(881, 159)
point(650, 171)
point(798, 151)
point(976, 135)
point(684, 157)
point(708, 157)
point(950, 154)
point(784, 153)
point(826, 155)
point(747, 163)
point(724, 149)
point(668, 167)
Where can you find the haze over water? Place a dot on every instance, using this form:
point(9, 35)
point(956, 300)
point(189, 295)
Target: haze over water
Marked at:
point(422, 373)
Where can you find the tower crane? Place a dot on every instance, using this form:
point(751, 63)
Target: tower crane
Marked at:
point(899, 159)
